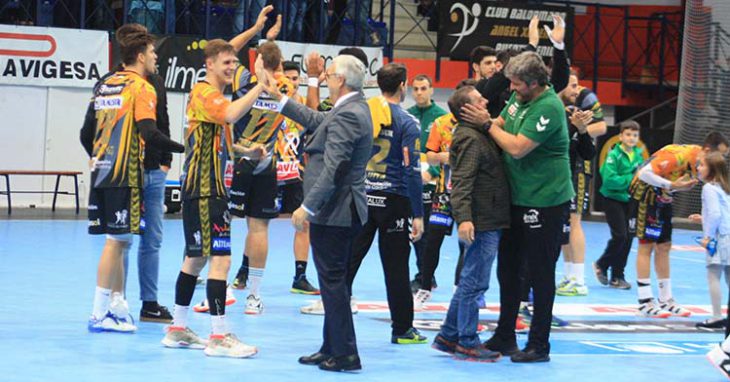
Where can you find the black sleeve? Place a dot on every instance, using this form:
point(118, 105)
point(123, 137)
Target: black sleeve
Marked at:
point(153, 137)
point(560, 75)
point(163, 119)
point(86, 136)
point(492, 90)
point(586, 148)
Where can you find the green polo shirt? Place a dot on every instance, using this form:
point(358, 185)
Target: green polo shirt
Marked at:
point(426, 116)
point(541, 178)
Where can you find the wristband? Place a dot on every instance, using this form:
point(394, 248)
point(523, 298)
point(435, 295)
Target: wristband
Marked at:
point(313, 82)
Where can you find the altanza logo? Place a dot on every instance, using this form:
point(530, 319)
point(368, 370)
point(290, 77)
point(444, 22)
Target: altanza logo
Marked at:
point(30, 58)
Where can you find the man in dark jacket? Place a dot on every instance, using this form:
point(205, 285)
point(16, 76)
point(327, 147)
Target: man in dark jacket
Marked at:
point(480, 205)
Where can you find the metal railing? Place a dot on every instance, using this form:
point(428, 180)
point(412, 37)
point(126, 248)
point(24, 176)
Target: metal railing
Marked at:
point(344, 22)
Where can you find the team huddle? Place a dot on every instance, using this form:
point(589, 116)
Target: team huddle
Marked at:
point(509, 166)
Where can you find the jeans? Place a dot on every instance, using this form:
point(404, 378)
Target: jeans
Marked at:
point(148, 255)
point(463, 315)
point(295, 18)
point(253, 8)
point(360, 19)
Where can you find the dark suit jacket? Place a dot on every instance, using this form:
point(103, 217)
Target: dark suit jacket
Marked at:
point(338, 150)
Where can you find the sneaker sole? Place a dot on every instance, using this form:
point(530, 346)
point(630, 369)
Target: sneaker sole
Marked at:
point(312, 313)
point(206, 309)
point(105, 330)
point(158, 320)
point(466, 358)
point(443, 349)
point(712, 362)
point(404, 341)
point(302, 291)
point(540, 360)
point(663, 316)
point(571, 294)
point(181, 345)
point(253, 312)
point(211, 353)
point(620, 287)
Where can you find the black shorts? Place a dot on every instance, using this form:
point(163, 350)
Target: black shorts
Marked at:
point(580, 204)
point(253, 195)
point(116, 211)
point(207, 226)
point(653, 219)
point(441, 219)
point(290, 197)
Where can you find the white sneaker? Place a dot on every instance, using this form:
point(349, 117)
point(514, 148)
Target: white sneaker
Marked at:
point(315, 308)
point(420, 299)
point(720, 360)
point(118, 306)
point(111, 323)
point(203, 306)
point(228, 346)
point(254, 305)
point(675, 309)
point(572, 288)
point(562, 282)
point(183, 338)
point(652, 310)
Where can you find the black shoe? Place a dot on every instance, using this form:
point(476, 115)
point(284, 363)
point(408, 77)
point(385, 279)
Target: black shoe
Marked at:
point(416, 283)
point(712, 323)
point(601, 274)
point(434, 285)
point(154, 312)
point(344, 363)
point(302, 286)
point(314, 359)
point(506, 347)
point(619, 283)
point(530, 355)
point(241, 278)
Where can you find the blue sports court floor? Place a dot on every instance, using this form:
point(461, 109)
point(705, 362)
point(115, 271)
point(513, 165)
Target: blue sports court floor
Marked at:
point(47, 278)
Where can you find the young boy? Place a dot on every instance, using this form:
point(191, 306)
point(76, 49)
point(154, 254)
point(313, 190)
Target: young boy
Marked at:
point(617, 173)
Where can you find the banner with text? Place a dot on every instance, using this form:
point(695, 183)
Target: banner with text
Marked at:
point(39, 56)
point(466, 24)
point(181, 62)
point(297, 52)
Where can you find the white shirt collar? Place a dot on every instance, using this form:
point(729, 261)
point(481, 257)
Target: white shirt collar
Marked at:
point(344, 97)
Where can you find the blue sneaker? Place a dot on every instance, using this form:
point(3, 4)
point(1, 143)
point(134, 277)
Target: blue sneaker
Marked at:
point(477, 354)
point(111, 323)
point(525, 313)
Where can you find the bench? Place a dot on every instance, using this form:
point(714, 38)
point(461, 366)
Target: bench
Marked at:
point(55, 192)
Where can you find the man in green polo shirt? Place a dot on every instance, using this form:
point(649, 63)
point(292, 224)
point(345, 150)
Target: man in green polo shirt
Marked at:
point(533, 135)
point(426, 111)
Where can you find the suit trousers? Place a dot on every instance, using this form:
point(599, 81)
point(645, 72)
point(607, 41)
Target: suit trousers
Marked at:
point(332, 252)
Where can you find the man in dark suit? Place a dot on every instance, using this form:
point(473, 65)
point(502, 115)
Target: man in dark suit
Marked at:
point(334, 199)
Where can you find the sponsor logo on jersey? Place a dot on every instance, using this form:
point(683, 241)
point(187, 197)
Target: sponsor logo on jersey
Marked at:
point(222, 244)
point(103, 103)
point(376, 201)
point(266, 105)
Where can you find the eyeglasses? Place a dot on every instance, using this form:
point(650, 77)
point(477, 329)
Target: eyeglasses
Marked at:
point(328, 75)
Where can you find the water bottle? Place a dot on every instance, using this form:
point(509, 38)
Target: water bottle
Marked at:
point(711, 245)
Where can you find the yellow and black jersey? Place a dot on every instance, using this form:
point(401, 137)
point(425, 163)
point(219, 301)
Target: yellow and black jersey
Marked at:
point(261, 125)
point(289, 150)
point(208, 143)
point(120, 102)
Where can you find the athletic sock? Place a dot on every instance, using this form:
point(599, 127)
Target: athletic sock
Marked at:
point(300, 269)
point(102, 297)
point(184, 289)
point(254, 277)
point(665, 290)
point(644, 288)
point(567, 269)
point(244, 263)
point(579, 273)
point(216, 291)
point(180, 316)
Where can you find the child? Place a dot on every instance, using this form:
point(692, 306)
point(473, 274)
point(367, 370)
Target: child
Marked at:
point(617, 173)
point(715, 219)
